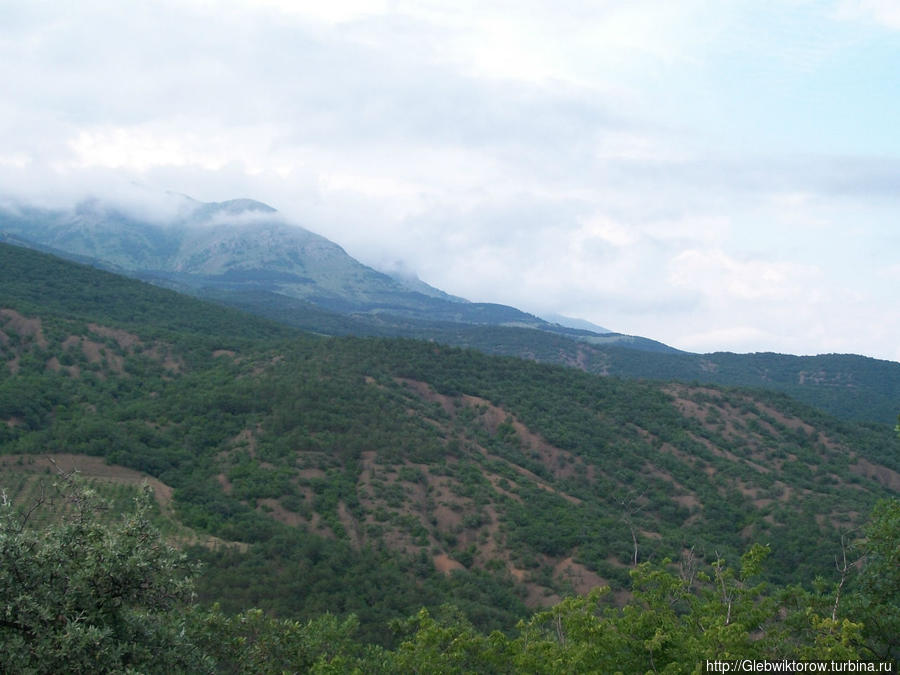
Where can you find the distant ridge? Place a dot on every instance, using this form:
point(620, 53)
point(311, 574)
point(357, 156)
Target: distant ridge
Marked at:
point(243, 253)
point(242, 247)
point(578, 324)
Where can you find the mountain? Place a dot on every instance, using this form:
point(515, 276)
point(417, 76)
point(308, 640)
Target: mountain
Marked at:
point(242, 253)
point(240, 246)
point(578, 324)
point(376, 475)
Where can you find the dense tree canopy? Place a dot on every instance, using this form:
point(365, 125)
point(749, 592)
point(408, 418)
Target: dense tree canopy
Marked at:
point(83, 592)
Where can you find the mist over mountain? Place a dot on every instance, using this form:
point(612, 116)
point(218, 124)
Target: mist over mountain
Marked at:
point(243, 246)
point(570, 322)
point(244, 253)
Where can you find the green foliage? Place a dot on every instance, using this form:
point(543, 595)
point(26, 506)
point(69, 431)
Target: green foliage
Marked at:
point(876, 601)
point(79, 595)
point(251, 642)
point(336, 472)
point(33, 280)
point(674, 623)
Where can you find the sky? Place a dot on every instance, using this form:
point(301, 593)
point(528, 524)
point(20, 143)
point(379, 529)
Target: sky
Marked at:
point(720, 176)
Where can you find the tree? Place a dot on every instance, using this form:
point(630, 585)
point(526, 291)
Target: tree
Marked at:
point(876, 601)
point(85, 593)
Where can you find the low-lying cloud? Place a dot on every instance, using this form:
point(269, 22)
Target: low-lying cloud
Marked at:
point(703, 173)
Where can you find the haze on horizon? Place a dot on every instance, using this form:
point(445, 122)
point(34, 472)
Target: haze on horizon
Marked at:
point(717, 176)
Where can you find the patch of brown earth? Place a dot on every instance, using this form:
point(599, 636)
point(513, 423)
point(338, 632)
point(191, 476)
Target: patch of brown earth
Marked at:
point(535, 594)
point(261, 368)
point(71, 342)
point(530, 475)
point(225, 483)
point(517, 574)
point(881, 474)
point(449, 518)
point(790, 422)
point(686, 406)
point(96, 468)
point(424, 390)
point(495, 482)
point(846, 522)
point(246, 439)
point(719, 452)
point(745, 489)
point(663, 475)
point(173, 364)
point(687, 501)
point(680, 454)
point(208, 541)
point(615, 562)
point(162, 353)
point(562, 464)
point(281, 514)
point(93, 351)
point(124, 339)
point(540, 596)
point(115, 362)
point(223, 352)
point(581, 578)
point(735, 421)
point(22, 325)
point(444, 563)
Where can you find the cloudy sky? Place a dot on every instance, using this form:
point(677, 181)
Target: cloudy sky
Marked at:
point(715, 175)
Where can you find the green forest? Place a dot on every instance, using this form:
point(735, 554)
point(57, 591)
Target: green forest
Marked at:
point(87, 593)
point(382, 504)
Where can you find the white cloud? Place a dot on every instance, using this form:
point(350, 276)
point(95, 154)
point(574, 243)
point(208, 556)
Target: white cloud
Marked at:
point(737, 335)
point(883, 12)
point(19, 160)
point(725, 279)
point(890, 272)
point(333, 12)
point(207, 144)
point(613, 160)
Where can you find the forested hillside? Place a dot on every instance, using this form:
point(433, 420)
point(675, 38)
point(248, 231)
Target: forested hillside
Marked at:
point(375, 476)
point(297, 278)
point(847, 386)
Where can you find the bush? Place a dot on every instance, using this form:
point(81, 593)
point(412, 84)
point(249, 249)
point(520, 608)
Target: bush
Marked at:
point(82, 594)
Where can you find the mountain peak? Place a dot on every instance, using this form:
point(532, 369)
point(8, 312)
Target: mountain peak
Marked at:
point(240, 206)
point(230, 208)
